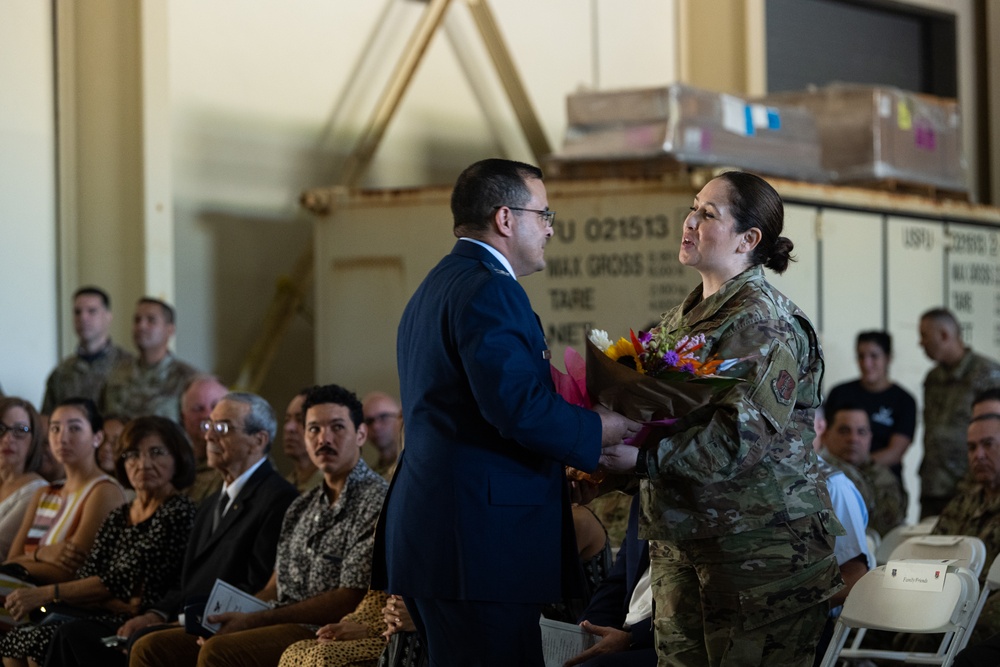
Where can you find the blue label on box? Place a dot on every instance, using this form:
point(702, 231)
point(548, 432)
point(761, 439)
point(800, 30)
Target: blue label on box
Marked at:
point(773, 119)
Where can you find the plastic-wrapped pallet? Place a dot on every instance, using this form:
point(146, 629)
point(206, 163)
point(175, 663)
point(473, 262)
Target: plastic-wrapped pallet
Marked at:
point(692, 126)
point(873, 134)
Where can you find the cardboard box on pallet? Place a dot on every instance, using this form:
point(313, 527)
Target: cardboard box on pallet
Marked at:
point(878, 134)
point(692, 126)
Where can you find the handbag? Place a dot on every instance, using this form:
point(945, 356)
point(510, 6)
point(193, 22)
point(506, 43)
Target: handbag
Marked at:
point(404, 650)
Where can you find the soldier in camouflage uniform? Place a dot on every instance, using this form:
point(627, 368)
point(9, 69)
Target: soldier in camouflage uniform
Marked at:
point(84, 373)
point(741, 532)
point(847, 447)
point(153, 383)
point(976, 509)
point(949, 388)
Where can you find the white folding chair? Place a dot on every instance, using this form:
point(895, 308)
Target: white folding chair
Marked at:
point(967, 551)
point(872, 605)
point(899, 534)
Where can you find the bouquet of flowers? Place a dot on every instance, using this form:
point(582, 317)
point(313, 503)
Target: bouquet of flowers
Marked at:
point(653, 377)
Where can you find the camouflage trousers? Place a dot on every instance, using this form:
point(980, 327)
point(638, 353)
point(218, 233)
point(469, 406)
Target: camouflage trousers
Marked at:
point(751, 598)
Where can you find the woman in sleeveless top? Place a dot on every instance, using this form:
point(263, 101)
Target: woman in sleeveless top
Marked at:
point(56, 536)
point(21, 443)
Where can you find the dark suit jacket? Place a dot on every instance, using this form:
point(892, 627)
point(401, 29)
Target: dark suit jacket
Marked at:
point(609, 605)
point(242, 549)
point(477, 509)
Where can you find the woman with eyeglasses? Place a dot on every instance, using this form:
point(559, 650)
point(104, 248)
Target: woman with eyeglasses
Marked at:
point(137, 555)
point(55, 537)
point(21, 443)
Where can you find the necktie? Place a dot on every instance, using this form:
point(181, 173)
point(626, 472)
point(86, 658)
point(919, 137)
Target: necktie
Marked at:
point(220, 509)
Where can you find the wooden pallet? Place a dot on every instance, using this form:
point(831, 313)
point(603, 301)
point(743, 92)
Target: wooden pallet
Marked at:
point(908, 188)
point(660, 167)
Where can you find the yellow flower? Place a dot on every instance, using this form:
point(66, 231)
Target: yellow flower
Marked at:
point(624, 353)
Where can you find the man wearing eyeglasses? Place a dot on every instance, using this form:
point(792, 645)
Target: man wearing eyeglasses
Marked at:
point(235, 535)
point(382, 417)
point(477, 526)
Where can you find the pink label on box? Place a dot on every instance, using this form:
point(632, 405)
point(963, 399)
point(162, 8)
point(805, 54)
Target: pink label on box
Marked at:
point(641, 137)
point(924, 137)
point(706, 141)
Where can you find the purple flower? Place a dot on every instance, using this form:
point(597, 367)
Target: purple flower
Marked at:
point(671, 358)
point(645, 337)
point(688, 368)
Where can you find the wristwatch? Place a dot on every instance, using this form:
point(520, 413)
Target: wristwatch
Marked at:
point(642, 465)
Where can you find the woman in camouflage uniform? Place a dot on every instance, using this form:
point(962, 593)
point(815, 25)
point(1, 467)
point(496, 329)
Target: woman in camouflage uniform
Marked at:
point(741, 532)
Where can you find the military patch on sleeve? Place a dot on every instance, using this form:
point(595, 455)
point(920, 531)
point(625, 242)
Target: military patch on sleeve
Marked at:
point(774, 389)
point(784, 387)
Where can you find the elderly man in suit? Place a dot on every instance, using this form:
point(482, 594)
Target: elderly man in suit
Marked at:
point(235, 535)
point(477, 526)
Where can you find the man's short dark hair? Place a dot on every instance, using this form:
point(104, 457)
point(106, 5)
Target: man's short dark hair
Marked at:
point(486, 185)
point(991, 394)
point(334, 393)
point(942, 316)
point(168, 310)
point(832, 412)
point(90, 290)
point(880, 338)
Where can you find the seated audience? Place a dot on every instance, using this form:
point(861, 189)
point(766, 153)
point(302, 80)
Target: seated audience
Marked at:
point(323, 565)
point(892, 411)
point(57, 534)
point(846, 446)
point(200, 396)
point(238, 547)
point(136, 557)
point(305, 475)
point(21, 442)
point(976, 509)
